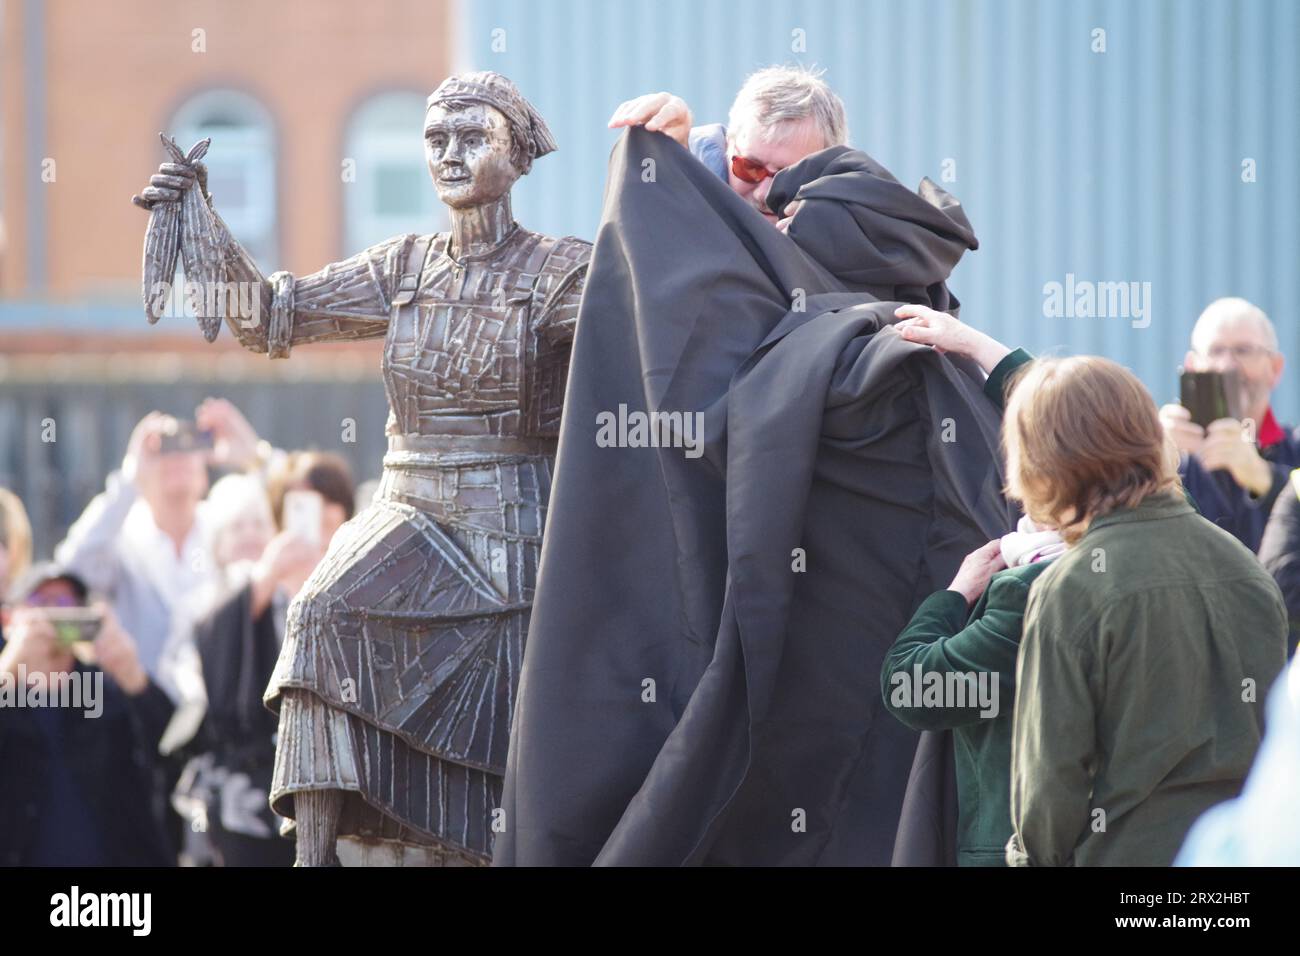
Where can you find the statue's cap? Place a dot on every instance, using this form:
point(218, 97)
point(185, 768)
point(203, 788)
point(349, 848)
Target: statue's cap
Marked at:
point(493, 89)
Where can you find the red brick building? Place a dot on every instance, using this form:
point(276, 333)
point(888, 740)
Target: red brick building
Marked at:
point(313, 107)
point(315, 112)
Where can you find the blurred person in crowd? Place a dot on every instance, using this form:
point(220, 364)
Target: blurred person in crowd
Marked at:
point(240, 523)
point(781, 115)
point(15, 541)
point(225, 789)
point(323, 473)
point(1235, 468)
point(1134, 709)
point(141, 542)
point(78, 786)
point(1261, 827)
point(971, 631)
point(239, 526)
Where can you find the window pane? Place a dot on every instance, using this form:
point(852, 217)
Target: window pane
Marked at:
point(397, 188)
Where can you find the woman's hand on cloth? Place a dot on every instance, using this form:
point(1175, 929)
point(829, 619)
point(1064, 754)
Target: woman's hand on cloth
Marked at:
point(976, 570)
point(788, 212)
point(926, 326)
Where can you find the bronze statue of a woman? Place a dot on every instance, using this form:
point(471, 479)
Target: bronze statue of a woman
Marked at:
point(396, 681)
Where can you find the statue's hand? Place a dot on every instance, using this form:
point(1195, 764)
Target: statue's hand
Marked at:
point(170, 182)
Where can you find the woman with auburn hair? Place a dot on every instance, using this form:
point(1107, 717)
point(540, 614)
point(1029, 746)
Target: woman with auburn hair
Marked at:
point(1146, 645)
point(1066, 472)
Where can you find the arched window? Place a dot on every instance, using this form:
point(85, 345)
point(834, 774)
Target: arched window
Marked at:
point(241, 165)
point(389, 192)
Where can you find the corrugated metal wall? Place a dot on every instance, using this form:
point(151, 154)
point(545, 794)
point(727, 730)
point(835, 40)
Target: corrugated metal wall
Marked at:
point(1122, 166)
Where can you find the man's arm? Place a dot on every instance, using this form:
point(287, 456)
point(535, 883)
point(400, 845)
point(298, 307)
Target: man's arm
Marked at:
point(1053, 743)
point(90, 548)
point(940, 641)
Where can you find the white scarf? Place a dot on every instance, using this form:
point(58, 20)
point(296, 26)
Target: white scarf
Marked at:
point(1028, 544)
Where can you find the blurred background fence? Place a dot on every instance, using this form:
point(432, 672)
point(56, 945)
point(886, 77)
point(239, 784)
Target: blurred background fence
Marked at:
point(60, 438)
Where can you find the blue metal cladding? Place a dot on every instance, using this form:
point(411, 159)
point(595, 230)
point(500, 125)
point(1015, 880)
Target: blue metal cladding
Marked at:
point(1117, 166)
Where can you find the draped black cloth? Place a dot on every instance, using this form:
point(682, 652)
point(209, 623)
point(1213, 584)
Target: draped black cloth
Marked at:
point(701, 680)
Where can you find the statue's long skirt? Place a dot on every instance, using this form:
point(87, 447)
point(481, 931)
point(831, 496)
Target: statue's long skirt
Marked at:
point(402, 653)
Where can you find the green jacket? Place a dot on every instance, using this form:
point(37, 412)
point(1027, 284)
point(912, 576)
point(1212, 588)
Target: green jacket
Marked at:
point(1148, 648)
point(943, 639)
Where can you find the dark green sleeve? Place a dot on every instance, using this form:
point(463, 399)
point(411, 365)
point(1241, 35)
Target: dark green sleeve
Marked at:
point(996, 386)
point(939, 640)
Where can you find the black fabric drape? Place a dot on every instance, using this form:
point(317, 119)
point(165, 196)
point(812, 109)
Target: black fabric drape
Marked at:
point(238, 654)
point(927, 824)
point(701, 681)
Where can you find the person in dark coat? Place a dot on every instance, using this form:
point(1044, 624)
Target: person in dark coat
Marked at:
point(701, 698)
point(77, 789)
point(1236, 468)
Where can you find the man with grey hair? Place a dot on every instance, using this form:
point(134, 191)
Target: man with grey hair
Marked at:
point(780, 115)
point(1235, 468)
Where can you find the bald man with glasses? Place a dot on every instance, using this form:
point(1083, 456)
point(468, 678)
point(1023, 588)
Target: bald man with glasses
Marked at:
point(1235, 469)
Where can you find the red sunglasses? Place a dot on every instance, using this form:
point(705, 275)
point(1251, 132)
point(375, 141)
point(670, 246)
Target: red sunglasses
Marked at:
point(747, 170)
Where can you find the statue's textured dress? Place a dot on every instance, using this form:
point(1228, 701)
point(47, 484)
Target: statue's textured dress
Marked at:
point(403, 650)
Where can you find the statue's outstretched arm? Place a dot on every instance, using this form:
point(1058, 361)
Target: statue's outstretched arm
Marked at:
point(344, 301)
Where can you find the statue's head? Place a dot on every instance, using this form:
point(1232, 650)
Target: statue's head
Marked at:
point(480, 135)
